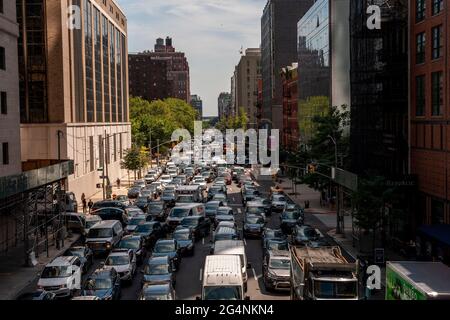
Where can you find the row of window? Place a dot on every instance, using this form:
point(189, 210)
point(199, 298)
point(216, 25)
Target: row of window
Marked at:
point(421, 8)
point(436, 45)
point(437, 94)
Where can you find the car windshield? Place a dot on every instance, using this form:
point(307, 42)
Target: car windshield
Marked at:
point(335, 290)
point(142, 199)
point(279, 198)
point(157, 297)
point(185, 199)
point(189, 222)
point(255, 210)
point(129, 244)
point(100, 233)
point(280, 264)
point(156, 269)
point(90, 224)
point(222, 293)
point(77, 252)
point(56, 272)
point(275, 234)
point(254, 220)
point(155, 207)
point(220, 196)
point(294, 215)
point(98, 284)
point(212, 206)
point(224, 212)
point(144, 228)
point(168, 194)
point(277, 246)
point(179, 212)
point(181, 236)
point(136, 221)
point(308, 232)
point(117, 260)
point(164, 247)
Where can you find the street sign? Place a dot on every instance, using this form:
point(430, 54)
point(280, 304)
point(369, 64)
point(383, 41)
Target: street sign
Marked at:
point(346, 179)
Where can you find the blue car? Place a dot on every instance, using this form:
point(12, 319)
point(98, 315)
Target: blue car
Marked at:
point(104, 284)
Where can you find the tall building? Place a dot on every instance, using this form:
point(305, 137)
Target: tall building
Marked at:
point(74, 88)
point(248, 72)
point(429, 109)
point(197, 103)
point(224, 104)
point(10, 162)
point(233, 109)
point(175, 82)
point(278, 49)
point(148, 77)
point(290, 135)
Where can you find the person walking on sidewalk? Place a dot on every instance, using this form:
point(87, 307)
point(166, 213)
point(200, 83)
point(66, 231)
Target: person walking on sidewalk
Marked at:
point(84, 202)
point(90, 204)
point(118, 183)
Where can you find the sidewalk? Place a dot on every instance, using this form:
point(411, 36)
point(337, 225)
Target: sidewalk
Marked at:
point(15, 278)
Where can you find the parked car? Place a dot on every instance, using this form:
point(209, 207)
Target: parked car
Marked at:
point(62, 276)
point(150, 231)
point(168, 248)
point(157, 292)
point(185, 241)
point(104, 284)
point(276, 271)
point(124, 262)
point(198, 225)
point(253, 226)
point(135, 243)
point(159, 270)
point(85, 255)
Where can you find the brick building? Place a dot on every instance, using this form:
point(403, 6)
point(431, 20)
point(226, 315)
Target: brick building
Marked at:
point(148, 77)
point(290, 134)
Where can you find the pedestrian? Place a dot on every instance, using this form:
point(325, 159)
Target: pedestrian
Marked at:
point(90, 204)
point(118, 183)
point(84, 205)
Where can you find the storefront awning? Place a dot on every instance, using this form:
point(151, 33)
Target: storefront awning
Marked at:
point(439, 232)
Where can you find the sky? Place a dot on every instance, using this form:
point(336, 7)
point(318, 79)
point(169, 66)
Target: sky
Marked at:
point(210, 32)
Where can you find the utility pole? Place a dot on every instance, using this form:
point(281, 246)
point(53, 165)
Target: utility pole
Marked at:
point(338, 189)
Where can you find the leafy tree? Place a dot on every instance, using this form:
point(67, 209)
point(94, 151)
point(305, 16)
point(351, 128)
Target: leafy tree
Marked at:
point(240, 121)
point(132, 160)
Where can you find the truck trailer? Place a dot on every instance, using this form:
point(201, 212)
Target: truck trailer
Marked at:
point(417, 280)
point(322, 274)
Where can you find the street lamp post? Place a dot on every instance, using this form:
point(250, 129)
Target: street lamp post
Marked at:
point(338, 189)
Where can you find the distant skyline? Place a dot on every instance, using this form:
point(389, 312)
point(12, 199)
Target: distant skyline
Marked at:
point(210, 32)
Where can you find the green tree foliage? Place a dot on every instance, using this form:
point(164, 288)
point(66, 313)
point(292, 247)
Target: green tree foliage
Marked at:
point(240, 121)
point(313, 106)
point(158, 119)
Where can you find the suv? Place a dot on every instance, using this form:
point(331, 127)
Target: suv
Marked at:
point(276, 270)
point(62, 276)
point(104, 235)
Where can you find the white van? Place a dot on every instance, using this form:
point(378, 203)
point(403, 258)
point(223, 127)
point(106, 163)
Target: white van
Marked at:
point(222, 278)
point(233, 247)
point(104, 235)
point(62, 276)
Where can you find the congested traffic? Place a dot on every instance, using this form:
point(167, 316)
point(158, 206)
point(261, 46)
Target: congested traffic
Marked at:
point(207, 231)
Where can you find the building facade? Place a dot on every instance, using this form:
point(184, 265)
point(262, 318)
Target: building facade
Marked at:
point(175, 82)
point(429, 109)
point(224, 104)
point(278, 49)
point(197, 103)
point(74, 88)
point(148, 77)
point(290, 134)
point(10, 161)
point(248, 72)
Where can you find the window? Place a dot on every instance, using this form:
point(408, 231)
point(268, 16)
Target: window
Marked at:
point(437, 87)
point(420, 47)
point(2, 59)
point(420, 95)
point(420, 10)
point(437, 42)
point(438, 6)
point(3, 103)
point(1, 6)
point(5, 153)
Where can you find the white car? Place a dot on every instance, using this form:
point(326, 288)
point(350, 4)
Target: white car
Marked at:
point(124, 262)
point(199, 180)
point(166, 179)
point(62, 276)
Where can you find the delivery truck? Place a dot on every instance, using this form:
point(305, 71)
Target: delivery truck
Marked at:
point(322, 274)
point(417, 280)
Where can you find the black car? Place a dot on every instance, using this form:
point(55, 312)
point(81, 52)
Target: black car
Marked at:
point(268, 234)
point(253, 226)
point(199, 226)
point(185, 241)
point(151, 232)
point(156, 210)
point(290, 219)
point(108, 204)
point(168, 248)
point(134, 192)
point(142, 203)
point(306, 236)
point(85, 255)
point(135, 243)
point(104, 284)
point(111, 213)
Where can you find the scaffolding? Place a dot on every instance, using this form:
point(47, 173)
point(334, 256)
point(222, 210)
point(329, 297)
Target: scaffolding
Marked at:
point(32, 207)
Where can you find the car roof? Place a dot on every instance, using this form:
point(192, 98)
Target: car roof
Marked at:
point(157, 288)
point(279, 254)
point(182, 230)
point(165, 241)
point(225, 230)
point(62, 261)
point(105, 224)
point(131, 237)
point(158, 260)
point(225, 208)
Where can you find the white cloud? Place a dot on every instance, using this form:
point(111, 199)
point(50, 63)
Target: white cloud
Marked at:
point(210, 32)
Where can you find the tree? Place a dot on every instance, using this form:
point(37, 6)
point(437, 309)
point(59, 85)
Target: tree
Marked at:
point(239, 121)
point(132, 160)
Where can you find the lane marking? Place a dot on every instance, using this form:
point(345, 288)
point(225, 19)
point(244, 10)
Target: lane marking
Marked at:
point(245, 242)
point(201, 274)
point(254, 274)
point(203, 240)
